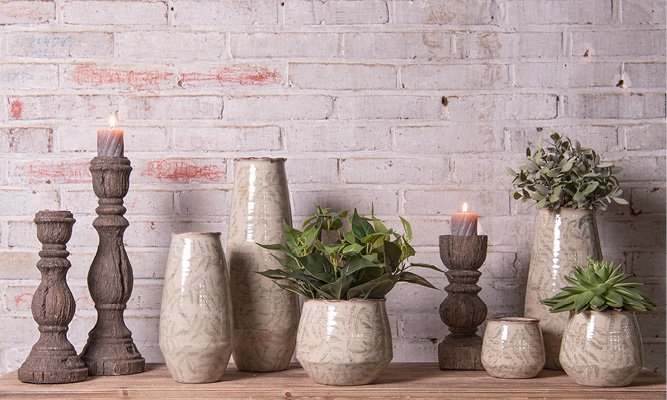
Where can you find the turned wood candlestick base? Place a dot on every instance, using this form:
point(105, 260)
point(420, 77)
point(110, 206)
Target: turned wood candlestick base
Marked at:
point(110, 349)
point(462, 311)
point(53, 358)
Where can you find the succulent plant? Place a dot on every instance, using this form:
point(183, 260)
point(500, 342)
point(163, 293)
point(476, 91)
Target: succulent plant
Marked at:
point(599, 286)
point(566, 175)
point(326, 261)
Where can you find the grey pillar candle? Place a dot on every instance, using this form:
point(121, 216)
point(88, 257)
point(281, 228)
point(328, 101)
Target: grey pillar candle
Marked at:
point(464, 224)
point(110, 141)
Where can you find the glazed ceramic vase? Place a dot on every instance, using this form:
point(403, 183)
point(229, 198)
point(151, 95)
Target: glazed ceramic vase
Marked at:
point(513, 347)
point(563, 239)
point(602, 348)
point(196, 315)
point(265, 316)
point(344, 342)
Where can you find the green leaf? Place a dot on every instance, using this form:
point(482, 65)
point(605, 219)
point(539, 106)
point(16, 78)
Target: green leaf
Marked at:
point(429, 266)
point(278, 247)
point(273, 273)
point(581, 301)
point(356, 263)
point(407, 229)
point(375, 289)
point(349, 237)
point(392, 256)
point(337, 290)
point(372, 238)
point(360, 227)
point(353, 248)
point(318, 266)
point(407, 276)
point(291, 236)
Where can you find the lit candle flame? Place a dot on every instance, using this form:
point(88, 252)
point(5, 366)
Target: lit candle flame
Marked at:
point(465, 208)
point(112, 121)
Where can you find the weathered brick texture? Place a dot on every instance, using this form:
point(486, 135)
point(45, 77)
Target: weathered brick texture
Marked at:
point(407, 107)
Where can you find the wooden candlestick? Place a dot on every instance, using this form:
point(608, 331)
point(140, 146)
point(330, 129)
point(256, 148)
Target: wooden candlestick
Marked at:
point(462, 311)
point(110, 349)
point(53, 358)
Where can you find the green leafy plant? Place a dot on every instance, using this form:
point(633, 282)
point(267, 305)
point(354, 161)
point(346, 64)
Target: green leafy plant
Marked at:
point(566, 175)
point(599, 286)
point(324, 260)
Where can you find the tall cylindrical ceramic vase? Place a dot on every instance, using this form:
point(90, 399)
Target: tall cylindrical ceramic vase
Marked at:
point(564, 238)
point(196, 316)
point(265, 316)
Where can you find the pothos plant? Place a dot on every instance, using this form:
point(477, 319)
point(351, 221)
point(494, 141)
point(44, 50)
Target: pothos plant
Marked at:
point(565, 174)
point(324, 260)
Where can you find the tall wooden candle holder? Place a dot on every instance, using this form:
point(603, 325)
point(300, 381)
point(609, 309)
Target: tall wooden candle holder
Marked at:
point(53, 358)
point(462, 311)
point(110, 349)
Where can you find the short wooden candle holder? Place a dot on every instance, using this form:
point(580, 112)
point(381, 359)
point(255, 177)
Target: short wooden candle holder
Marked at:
point(110, 349)
point(53, 358)
point(462, 311)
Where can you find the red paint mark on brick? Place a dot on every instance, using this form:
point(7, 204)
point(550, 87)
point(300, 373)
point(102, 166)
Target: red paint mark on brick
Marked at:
point(182, 171)
point(22, 13)
point(235, 75)
point(16, 109)
point(23, 298)
point(87, 76)
point(41, 172)
point(82, 299)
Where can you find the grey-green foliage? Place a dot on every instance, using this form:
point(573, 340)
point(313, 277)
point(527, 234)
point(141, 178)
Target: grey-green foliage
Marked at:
point(325, 261)
point(566, 175)
point(599, 286)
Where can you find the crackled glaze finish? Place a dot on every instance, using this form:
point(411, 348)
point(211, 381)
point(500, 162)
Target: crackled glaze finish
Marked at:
point(563, 240)
point(344, 342)
point(513, 348)
point(196, 315)
point(602, 348)
point(265, 316)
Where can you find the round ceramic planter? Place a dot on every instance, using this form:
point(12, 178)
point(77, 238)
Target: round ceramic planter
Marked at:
point(196, 316)
point(513, 347)
point(563, 240)
point(344, 342)
point(602, 348)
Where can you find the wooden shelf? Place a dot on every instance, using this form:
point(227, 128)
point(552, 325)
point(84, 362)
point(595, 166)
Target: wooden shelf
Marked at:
point(400, 380)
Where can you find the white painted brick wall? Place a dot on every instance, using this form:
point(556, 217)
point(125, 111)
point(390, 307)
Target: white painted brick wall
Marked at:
point(414, 106)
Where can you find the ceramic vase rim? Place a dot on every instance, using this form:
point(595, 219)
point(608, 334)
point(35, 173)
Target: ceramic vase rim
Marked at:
point(382, 300)
point(520, 320)
point(271, 159)
point(194, 233)
point(607, 311)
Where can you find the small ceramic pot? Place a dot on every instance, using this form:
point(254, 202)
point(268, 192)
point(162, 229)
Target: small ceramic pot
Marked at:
point(344, 342)
point(513, 347)
point(602, 348)
point(196, 315)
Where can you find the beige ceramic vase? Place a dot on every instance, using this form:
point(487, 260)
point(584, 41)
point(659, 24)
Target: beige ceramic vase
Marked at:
point(196, 314)
point(265, 316)
point(513, 347)
point(344, 342)
point(563, 239)
point(602, 348)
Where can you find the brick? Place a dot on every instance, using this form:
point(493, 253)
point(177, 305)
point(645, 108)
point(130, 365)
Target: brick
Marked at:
point(13, 356)
point(28, 76)
point(423, 326)
point(90, 76)
point(398, 45)
point(427, 12)
point(18, 202)
point(171, 45)
point(315, 12)
point(653, 355)
point(643, 12)
point(619, 43)
point(232, 76)
point(274, 45)
point(410, 298)
point(26, 140)
point(158, 233)
point(600, 138)
point(179, 170)
point(85, 12)
point(324, 170)
point(492, 107)
point(78, 139)
point(642, 169)
point(489, 76)
point(174, 107)
point(486, 45)
point(446, 202)
point(27, 12)
point(18, 265)
point(570, 12)
point(421, 171)
point(645, 75)
point(647, 200)
point(446, 139)
point(645, 136)
point(18, 329)
point(385, 202)
point(647, 265)
point(22, 234)
point(278, 107)
point(640, 232)
point(226, 12)
point(202, 203)
point(228, 138)
point(651, 324)
point(517, 233)
point(389, 107)
point(571, 75)
point(59, 107)
point(59, 45)
point(335, 136)
point(342, 76)
point(502, 296)
point(49, 171)
point(406, 350)
point(616, 105)
point(137, 202)
point(483, 169)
